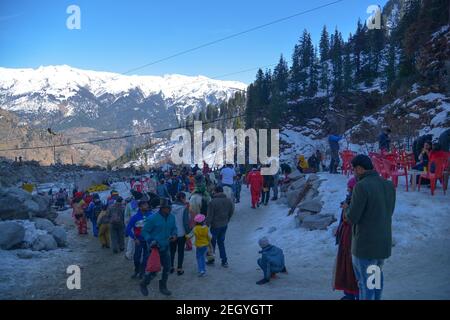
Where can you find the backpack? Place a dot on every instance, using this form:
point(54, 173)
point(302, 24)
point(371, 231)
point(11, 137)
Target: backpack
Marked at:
point(116, 215)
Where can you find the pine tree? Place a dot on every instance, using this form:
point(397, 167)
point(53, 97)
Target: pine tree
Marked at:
point(324, 45)
point(281, 76)
point(336, 58)
point(348, 71)
point(389, 70)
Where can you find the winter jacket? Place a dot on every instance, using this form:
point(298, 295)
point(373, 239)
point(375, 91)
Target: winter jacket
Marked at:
point(274, 256)
point(370, 213)
point(130, 210)
point(136, 223)
point(181, 214)
point(94, 209)
point(268, 182)
point(159, 228)
point(202, 236)
point(333, 141)
point(220, 211)
point(162, 191)
point(255, 180)
point(116, 214)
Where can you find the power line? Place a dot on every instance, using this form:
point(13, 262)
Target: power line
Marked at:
point(118, 137)
point(234, 35)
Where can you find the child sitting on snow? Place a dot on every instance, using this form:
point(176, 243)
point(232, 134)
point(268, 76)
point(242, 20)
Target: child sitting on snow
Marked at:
point(202, 242)
point(271, 261)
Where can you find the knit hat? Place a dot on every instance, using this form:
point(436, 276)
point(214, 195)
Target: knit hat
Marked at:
point(351, 183)
point(263, 242)
point(199, 218)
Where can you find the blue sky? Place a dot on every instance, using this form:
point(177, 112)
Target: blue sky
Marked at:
point(120, 35)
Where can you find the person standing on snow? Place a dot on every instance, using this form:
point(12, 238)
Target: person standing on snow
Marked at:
point(134, 232)
point(370, 213)
point(181, 213)
point(333, 141)
point(202, 242)
point(344, 276)
point(103, 228)
point(384, 141)
point(117, 225)
point(93, 211)
point(268, 184)
point(159, 230)
point(220, 211)
point(131, 209)
point(238, 187)
point(271, 261)
point(78, 213)
point(255, 181)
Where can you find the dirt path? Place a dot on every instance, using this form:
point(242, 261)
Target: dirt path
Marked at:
point(420, 273)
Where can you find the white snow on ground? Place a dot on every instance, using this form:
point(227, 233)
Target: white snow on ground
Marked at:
point(418, 268)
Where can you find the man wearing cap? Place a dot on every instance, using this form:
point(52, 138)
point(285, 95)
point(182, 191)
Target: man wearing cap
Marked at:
point(134, 232)
point(271, 261)
point(370, 213)
point(159, 230)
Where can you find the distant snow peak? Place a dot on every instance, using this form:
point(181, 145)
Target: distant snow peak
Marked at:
point(42, 89)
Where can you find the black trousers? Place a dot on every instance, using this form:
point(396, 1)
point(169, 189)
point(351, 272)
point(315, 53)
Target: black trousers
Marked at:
point(177, 246)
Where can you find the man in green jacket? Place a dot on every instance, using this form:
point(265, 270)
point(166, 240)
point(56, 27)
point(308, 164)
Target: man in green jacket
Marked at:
point(159, 230)
point(370, 213)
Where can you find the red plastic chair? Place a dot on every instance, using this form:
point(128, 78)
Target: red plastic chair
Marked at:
point(378, 164)
point(391, 171)
point(439, 166)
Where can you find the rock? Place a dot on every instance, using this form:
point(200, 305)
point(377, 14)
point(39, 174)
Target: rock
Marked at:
point(317, 221)
point(19, 204)
point(298, 185)
point(313, 177)
point(60, 236)
point(314, 205)
point(44, 242)
point(11, 234)
point(296, 175)
point(272, 229)
point(27, 254)
point(43, 224)
point(300, 216)
point(292, 197)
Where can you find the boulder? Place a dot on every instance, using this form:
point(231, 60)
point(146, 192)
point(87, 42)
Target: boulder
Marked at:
point(292, 198)
point(43, 224)
point(314, 205)
point(298, 185)
point(317, 221)
point(19, 204)
point(296, 175)
point(60, 236)
point(300, 216)
point(44, 242)
point(11, 234)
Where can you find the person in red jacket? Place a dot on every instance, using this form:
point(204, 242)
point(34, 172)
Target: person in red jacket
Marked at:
point(255, 180)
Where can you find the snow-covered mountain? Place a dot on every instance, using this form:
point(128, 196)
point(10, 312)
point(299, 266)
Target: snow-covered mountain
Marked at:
point(64, 97)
